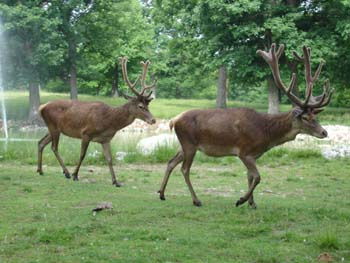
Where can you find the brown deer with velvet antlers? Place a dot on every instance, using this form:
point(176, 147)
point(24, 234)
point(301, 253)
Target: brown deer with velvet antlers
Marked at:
point(94, 121)
point(245, 133)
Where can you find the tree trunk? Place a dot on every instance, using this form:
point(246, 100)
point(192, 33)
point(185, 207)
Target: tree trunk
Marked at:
point(293, 3)
point(72, 70)
point(274, 102)
point(154, 89)
point(73, 82)
point(115, 81)
point(221, 95)
point(34, 102)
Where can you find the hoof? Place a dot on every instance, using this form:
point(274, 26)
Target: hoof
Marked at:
point(197, 203)
point(117, 184)
point(67, 175)
point(40, 172)
point(75, 177)
point(161, 195)
point(240, 201)
point(253, 205)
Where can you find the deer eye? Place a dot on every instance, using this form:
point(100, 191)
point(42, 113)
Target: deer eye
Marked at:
point(141, 106)
point(305, 118)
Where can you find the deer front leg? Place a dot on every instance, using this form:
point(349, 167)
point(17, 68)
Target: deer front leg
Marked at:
point(84, 146)
point(108, 156)
point(253, 180)
point(178, 158)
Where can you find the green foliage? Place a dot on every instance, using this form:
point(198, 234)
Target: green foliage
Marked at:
point(187, 41)
point(56, 85)
point(32, 43)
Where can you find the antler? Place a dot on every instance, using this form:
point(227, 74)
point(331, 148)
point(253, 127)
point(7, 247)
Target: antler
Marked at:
point(315, 101)
point(311, 102)
point(123, 61)
point(143, 79)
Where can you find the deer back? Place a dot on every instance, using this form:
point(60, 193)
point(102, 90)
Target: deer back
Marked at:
point(75, 118)
point(221, 132)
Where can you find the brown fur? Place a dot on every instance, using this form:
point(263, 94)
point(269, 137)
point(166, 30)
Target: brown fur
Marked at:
point(88, 121)
point(238, 132)
point(246, 133)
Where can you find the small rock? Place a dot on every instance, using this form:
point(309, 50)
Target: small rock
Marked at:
point(325, 257)
point(120, 155)
point(102, 206)
point(89, 181)
point(268, 191)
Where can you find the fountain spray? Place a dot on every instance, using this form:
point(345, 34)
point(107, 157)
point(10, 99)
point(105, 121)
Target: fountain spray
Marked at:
point(2, 95)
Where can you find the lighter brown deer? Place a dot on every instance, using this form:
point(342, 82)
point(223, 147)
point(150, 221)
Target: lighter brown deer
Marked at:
point(245, 133)
point(94, 121)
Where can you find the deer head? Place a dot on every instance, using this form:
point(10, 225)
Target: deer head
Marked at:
point(139, 103)
point(304, 114)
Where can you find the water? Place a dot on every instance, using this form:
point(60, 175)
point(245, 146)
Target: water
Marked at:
point(2, 96)
point(3, 108)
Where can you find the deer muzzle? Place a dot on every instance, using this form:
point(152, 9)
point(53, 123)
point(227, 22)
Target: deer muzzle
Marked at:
point(151, 121)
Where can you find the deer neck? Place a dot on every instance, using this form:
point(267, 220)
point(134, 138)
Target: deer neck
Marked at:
point(279, 128)
point(122, 116)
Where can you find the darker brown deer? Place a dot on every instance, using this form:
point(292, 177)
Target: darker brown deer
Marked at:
point(94, 121)
point(245, 133)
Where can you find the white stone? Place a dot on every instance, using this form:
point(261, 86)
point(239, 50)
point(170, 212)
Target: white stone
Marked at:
point(150, 144)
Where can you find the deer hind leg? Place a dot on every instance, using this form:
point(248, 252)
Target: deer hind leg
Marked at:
point(178, 158)
point(253, 180)
point(108, 156)
point(54, 146)
point(251, 198)
point(85, 141)
point(186, 166)
point(41, 145)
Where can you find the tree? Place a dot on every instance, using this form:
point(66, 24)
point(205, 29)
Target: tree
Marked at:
point(33, 46)
point(221, 96)
point(184, 72)
point(70, 14)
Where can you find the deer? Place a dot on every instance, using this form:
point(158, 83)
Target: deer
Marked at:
point(246, 133)
point(95, 121)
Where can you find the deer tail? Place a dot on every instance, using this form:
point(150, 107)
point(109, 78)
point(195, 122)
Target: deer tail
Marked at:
point(41, 107)
point(171, 124)
point(173, 121)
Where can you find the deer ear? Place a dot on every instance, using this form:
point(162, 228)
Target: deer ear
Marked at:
point(127, 97)
point(317, 111)
point(297, 112)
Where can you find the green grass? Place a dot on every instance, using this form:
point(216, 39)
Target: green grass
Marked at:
point(303, 201)
point(48, 218)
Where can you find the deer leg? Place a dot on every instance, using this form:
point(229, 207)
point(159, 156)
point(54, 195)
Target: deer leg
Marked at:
point(41, 145)
point(251, 198)
point(186, 166)
point(108, 156)
point(178, 158)
point(54, 146)
point(253, 179)
point(84, 145)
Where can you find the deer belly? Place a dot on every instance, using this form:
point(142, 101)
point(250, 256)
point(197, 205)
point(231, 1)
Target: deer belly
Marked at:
point(218, 150)
point(71, 133)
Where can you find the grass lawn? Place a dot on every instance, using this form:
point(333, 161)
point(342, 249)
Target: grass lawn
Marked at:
point(303, 201)
point(303, 210)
